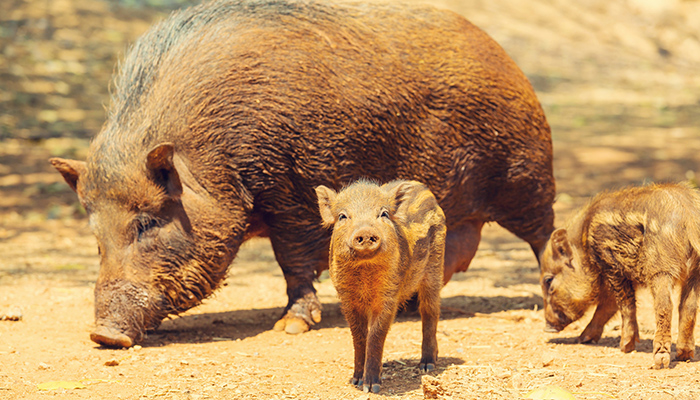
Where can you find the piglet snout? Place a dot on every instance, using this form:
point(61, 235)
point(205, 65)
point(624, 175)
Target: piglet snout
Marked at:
point(366, 241)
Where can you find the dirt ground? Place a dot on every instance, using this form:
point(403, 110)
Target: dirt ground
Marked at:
point(620, 85)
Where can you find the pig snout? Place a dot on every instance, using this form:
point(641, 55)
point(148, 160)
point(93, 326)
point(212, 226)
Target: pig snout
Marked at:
point(365, 241)
point(123, 313)
point(110, 337)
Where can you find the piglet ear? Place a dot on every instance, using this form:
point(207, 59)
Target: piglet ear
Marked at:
point(70, 169)
point(561, 248)
point(326, 198)
point(162, 169)
point(399, 193)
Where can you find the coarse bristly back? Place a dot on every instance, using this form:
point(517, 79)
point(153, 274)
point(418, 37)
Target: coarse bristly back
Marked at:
point(146, 56)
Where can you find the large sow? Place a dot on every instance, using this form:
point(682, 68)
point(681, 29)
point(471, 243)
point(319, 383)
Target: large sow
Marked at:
point(226, 116)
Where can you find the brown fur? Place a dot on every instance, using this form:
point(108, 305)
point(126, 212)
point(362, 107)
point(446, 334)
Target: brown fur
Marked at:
point(259, 101)
point(405, 256)
point(644, 236)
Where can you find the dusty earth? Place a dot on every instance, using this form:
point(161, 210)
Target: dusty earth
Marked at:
point(620, 85)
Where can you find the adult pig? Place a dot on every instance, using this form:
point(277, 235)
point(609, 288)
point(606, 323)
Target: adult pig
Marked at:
point(388, 243)
point(642, 236)
point(226, 116)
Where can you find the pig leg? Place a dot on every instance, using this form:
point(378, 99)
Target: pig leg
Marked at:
point(687, 311)
point(379, 328)
point(460, 247)
point(299, 263)
point(357, 319)
point(607, 307)
point(661, 287)
point(303, 308)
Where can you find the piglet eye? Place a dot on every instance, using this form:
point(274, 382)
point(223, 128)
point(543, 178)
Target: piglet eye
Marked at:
point(548, 280)
point(385, 214)
point(342, 217)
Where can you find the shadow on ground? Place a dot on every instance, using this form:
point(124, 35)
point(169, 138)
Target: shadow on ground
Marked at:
point(242, 324)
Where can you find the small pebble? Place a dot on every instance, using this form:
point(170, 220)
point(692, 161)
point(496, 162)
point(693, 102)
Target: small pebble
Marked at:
point(112, 363)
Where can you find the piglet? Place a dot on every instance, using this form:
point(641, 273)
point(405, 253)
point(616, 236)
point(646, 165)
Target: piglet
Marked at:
point(388, 243)
point(641, 236)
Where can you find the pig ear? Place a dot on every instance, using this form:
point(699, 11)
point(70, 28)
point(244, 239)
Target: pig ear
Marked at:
point(70, 169)
point(326, 198)
point(160, 165)
point(561, 248)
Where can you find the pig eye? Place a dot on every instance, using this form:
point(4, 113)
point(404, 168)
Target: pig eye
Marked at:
point(342, 217)
point(143, 225)
point(385, 214)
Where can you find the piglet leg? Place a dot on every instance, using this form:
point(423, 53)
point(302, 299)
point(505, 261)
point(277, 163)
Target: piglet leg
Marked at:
point(687, 311)
point(607, 307)
point(379, 328)
point(625, 296)
point(358, 327)
point(661, 287)
point(429, 296)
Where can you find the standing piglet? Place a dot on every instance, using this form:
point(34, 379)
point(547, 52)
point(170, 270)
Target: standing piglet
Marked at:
point(644, 236)
point(388, 242)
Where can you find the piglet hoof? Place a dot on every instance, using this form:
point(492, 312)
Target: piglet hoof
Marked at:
point(426, 367)
point(356, 382)
point(291, 325)
point(109, 337)
point(375, 388)
point(685, 354)
point(590, 337)
point(662, 360)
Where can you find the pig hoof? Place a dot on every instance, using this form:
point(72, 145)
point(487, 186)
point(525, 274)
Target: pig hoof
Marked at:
point(110, 338)
point(356, 382)
point(375, 388)
point(316, 316)
point(426, 367)
point(292, 325)
point(662, 360)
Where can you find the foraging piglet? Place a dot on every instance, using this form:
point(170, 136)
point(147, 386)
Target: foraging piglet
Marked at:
point(388, 243)
point(642, 236)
